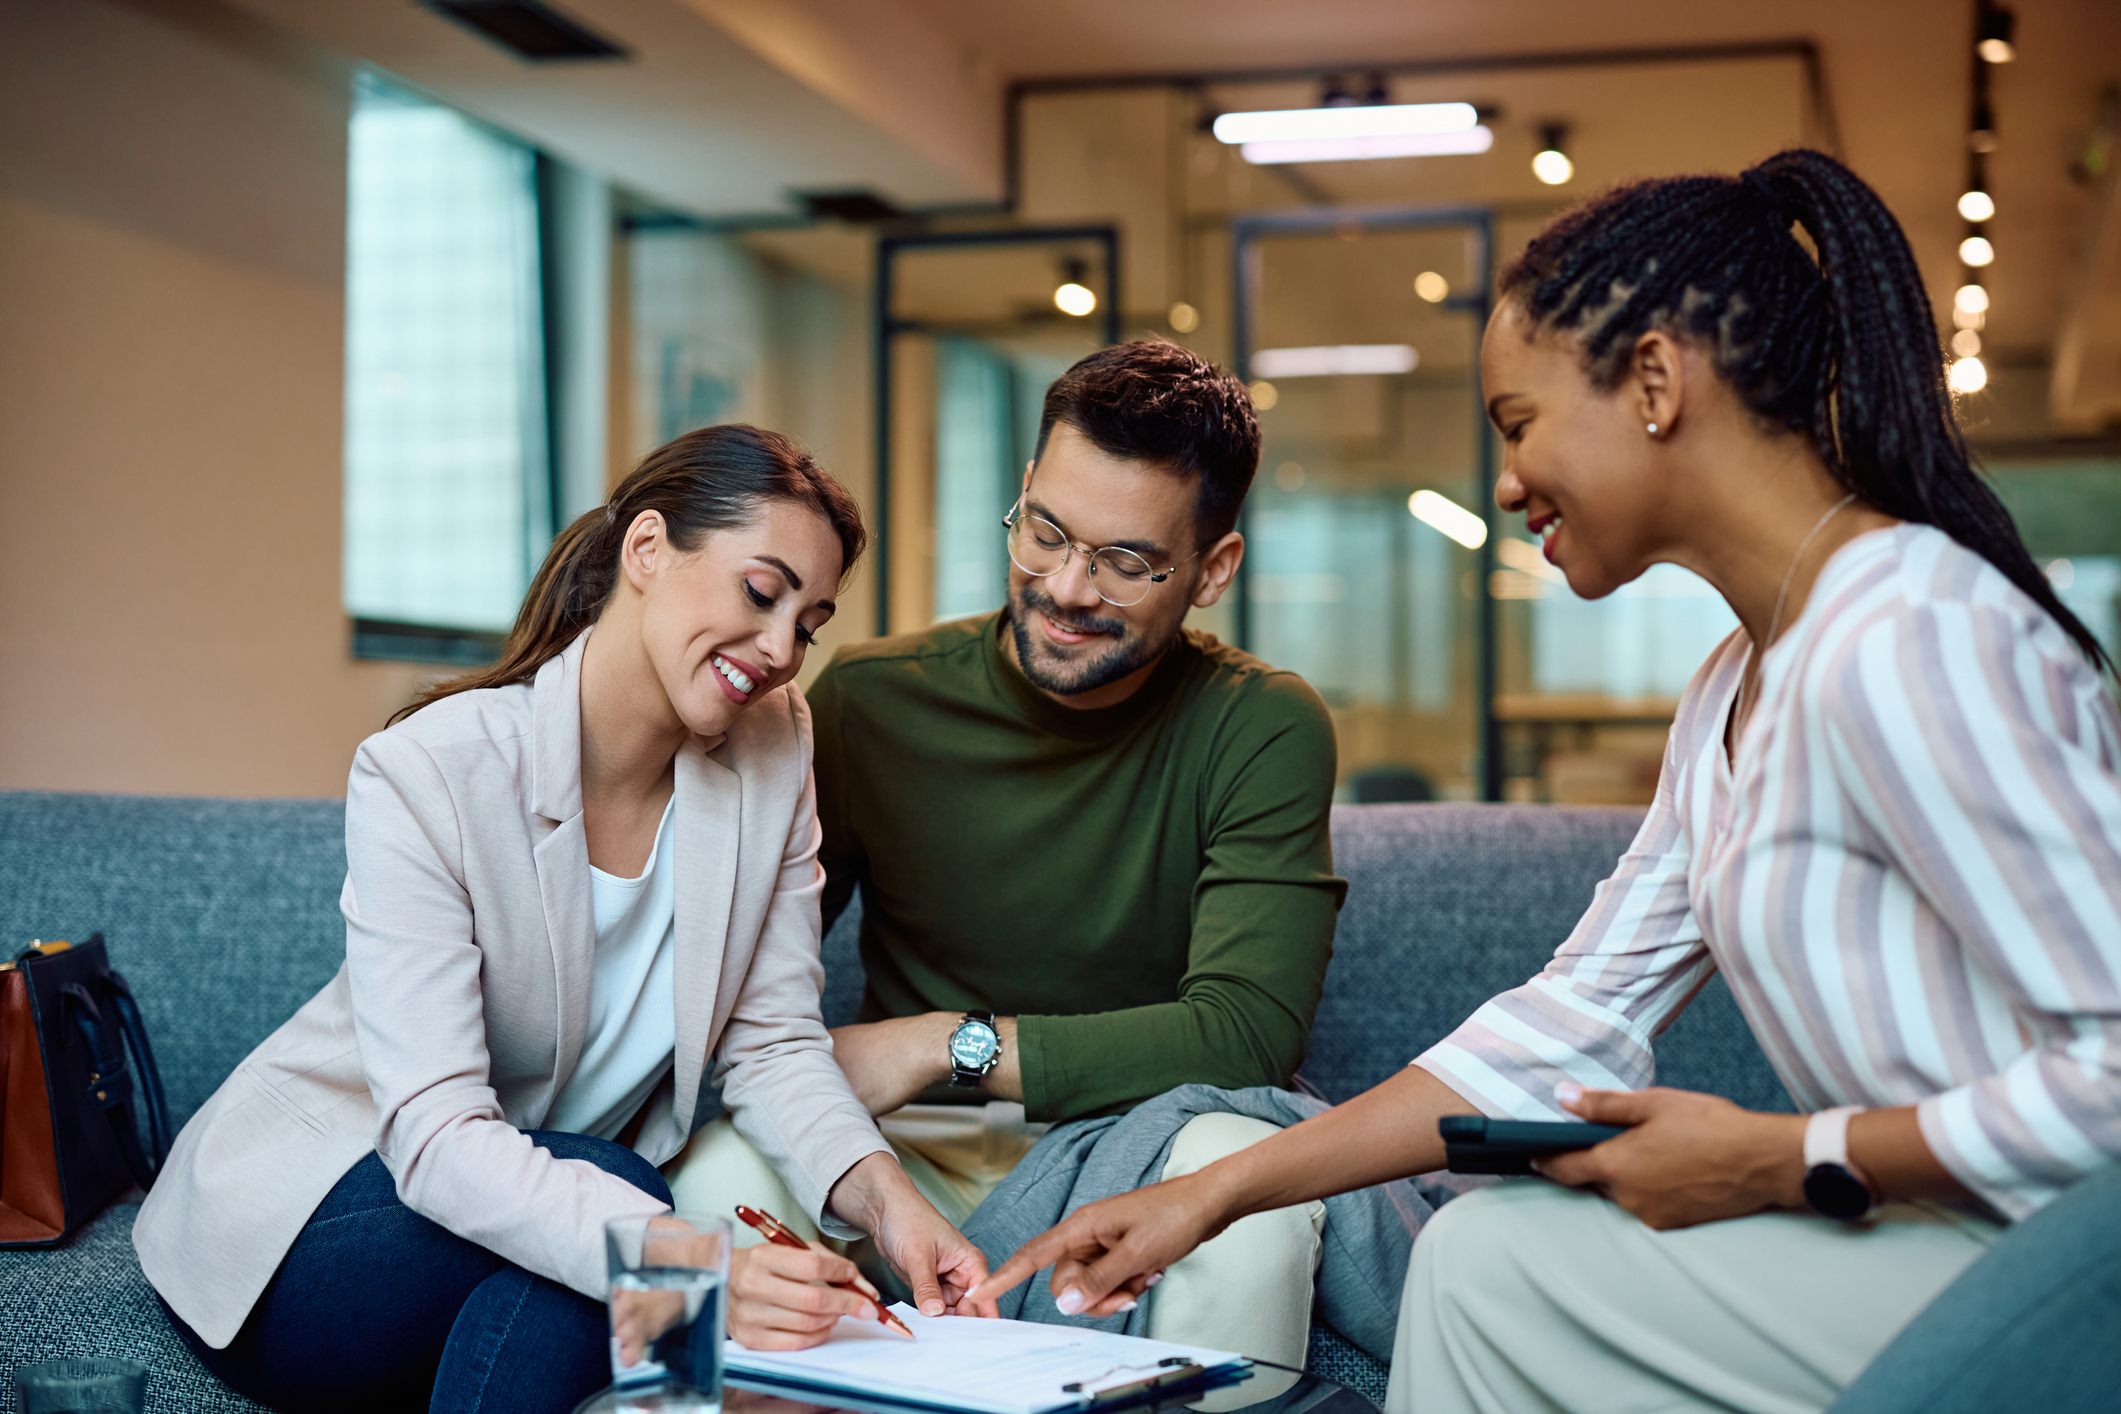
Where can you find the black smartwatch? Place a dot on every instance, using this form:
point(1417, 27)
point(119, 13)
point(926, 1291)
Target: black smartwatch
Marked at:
point(975, 1049)
point(1832, 1185)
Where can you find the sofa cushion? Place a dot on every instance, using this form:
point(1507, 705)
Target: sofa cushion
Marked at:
point(1450, 904)
point(223, 914)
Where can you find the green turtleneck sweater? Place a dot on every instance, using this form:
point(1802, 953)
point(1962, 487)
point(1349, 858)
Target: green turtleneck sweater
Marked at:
point(1148, 888)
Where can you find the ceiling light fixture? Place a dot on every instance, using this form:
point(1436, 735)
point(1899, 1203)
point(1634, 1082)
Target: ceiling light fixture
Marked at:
point(1444, 514)
point(1971, 299)
point(1976, 250)
point(1330, 359)
point(1981, 132)
point(1073, 296)
point(1551, 164)
point(1355, 133)
point(1383, 120)
point(1977, 206)
point(1994, 41)
point(1966, 343)
point(1968, 375)
point(1432, 287)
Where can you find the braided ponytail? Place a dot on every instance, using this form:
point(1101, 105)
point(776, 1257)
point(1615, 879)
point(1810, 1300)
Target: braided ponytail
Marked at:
point(711, 479)
point(1841, 350)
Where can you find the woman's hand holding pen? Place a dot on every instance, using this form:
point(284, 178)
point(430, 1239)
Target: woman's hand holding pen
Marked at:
point(782, 1298)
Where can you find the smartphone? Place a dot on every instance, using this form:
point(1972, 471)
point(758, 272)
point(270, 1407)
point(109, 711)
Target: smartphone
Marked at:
point(1477, 1144)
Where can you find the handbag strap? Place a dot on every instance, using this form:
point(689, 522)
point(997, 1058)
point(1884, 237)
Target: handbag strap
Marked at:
point(110, 1085)
point(148, 1078)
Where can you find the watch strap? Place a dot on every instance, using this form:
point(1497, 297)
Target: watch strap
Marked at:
point(1833, 1186)
point(1826, 1138)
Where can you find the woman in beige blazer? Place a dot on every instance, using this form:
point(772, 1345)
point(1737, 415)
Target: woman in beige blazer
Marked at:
point(402, 1192)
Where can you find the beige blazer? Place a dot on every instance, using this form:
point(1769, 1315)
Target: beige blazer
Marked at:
point(459, 1012)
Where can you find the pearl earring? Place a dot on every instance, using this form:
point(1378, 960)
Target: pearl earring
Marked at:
point(1653, 429)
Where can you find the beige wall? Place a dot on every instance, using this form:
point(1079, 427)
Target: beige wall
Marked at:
point(171, 249)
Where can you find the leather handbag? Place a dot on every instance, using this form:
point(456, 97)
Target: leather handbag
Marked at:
point(70, 1104)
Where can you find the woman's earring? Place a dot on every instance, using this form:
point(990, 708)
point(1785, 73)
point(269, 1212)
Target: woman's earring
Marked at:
point(1653, 429)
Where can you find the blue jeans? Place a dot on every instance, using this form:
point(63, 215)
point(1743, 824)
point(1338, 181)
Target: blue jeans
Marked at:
point(2031, 1325)
point(378, 1308)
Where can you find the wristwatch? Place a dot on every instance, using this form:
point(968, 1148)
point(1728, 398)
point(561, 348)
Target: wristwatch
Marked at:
point(975, 1048)
point(1833, 1186)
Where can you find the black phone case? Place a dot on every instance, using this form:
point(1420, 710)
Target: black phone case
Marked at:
point(1477, 1144)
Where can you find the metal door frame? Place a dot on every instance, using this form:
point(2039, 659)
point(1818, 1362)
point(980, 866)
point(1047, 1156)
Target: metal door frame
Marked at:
point(1245, 234)
point(887, 328)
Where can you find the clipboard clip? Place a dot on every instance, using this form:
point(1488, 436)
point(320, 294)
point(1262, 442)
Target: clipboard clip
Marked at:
point(1171, 1371)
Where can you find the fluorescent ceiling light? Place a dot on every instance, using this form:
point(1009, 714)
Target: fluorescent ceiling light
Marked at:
point(1374, 120)
point(1335, 358)
point(1364, 149)
point(1449, 517)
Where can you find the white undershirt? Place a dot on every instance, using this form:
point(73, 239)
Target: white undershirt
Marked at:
point(632, 1032)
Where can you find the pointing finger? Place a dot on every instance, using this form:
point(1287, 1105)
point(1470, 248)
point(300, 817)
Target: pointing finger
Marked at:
point(1041, 1251)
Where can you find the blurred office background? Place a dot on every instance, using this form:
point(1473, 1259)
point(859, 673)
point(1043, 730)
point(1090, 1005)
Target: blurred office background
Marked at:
point(317, 317)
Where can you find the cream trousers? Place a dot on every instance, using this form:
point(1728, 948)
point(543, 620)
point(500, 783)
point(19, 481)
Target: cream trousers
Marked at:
point(1531, 1297)
point(1248, 1289)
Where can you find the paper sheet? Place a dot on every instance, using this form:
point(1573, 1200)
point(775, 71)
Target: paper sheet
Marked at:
point(961, 1362)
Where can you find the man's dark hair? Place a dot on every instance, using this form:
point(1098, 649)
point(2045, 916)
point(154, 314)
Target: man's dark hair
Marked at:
point(1156, 402)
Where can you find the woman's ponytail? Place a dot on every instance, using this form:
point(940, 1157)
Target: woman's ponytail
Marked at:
point(1900, 446)
point(711, 479)
point(1842, 349)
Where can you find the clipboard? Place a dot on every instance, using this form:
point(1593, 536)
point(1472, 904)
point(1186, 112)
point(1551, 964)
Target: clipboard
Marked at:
point(1172, 1372)
point(974, 1366)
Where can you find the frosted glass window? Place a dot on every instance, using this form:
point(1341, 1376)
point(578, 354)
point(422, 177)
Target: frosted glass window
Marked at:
point(447, 484)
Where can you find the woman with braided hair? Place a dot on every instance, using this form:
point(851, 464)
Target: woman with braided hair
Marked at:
point(579, 882)
point(1889, 814)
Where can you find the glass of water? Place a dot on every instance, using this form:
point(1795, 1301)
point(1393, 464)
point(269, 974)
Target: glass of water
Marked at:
point(669, 1275)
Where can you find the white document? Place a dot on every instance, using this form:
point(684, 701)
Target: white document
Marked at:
point(962, 1362)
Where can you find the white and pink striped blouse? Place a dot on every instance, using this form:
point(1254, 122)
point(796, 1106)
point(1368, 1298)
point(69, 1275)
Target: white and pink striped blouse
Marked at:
point(1911, 880)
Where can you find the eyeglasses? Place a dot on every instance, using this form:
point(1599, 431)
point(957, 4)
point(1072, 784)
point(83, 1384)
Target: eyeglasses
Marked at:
point(1121, 578)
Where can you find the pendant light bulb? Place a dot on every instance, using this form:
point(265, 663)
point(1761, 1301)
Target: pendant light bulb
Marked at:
point(1072, 296)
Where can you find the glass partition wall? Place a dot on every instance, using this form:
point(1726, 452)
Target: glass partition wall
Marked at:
point(1367, 530)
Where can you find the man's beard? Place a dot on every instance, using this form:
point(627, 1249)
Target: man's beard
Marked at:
point(1046, 665)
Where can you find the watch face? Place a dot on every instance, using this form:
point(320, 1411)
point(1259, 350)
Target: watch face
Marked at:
point(973, 1044)
point(1834, 1192)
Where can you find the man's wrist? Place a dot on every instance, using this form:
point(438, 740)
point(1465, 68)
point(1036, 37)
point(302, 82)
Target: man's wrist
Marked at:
point(860, 1196)
point(936, 1045)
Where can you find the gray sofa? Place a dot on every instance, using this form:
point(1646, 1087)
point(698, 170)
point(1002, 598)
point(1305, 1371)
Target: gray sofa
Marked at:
point(224, 916)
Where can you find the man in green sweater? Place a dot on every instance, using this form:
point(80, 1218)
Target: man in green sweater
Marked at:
point(1091, 845)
